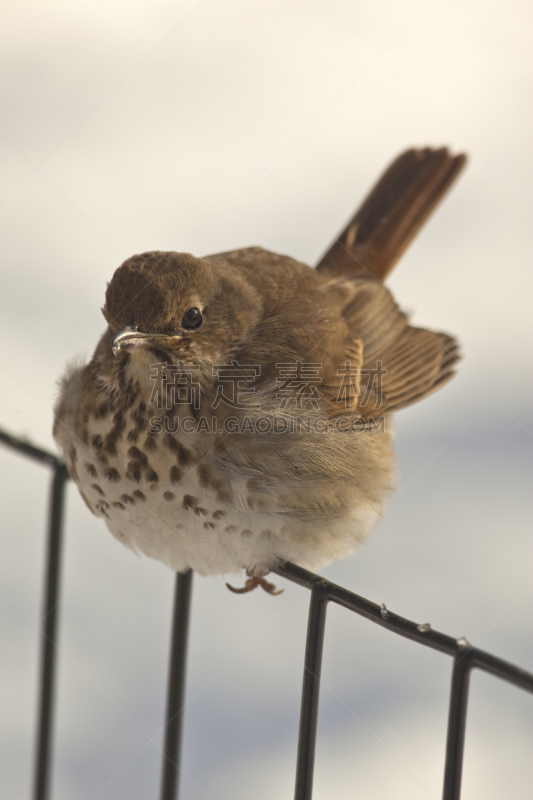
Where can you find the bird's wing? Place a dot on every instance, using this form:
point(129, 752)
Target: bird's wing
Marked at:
point(389, 363)
point(392, 214)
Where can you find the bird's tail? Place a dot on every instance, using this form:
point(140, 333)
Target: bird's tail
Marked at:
point(392, 214)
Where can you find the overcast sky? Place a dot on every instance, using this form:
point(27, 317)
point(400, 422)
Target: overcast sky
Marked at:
point(205, 126)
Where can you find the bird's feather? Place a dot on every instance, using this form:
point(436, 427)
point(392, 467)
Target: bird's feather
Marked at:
point(392, 214)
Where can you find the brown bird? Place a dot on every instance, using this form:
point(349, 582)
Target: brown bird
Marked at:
point(237, 410)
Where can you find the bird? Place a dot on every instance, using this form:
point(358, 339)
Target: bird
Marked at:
point(237, 411)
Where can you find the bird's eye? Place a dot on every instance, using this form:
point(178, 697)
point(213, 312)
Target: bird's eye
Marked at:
point(192, 319)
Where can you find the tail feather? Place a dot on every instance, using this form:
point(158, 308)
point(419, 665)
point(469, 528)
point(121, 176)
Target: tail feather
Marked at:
point(392, 214)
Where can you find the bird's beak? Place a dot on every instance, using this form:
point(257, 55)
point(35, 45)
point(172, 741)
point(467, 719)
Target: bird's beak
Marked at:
point(130, 337)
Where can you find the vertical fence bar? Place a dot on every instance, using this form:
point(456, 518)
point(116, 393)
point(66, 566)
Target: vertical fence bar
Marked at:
point(310, 693)
point(176, 686)
point(48, 635)
point(455, 742)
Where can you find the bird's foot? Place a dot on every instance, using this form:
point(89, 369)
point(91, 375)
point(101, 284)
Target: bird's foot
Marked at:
point(252, 583)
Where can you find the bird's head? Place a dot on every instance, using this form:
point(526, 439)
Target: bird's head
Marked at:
point(173, 304)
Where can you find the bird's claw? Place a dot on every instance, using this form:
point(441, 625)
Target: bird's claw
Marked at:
point(252, 583)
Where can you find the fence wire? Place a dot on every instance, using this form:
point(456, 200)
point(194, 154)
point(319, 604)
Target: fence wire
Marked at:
point(465, 657)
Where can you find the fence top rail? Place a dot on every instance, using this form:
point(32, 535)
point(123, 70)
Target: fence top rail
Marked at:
point(421, 633)
point(37, 453)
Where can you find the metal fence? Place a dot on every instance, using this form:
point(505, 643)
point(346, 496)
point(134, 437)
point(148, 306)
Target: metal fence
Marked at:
point(465, 658)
